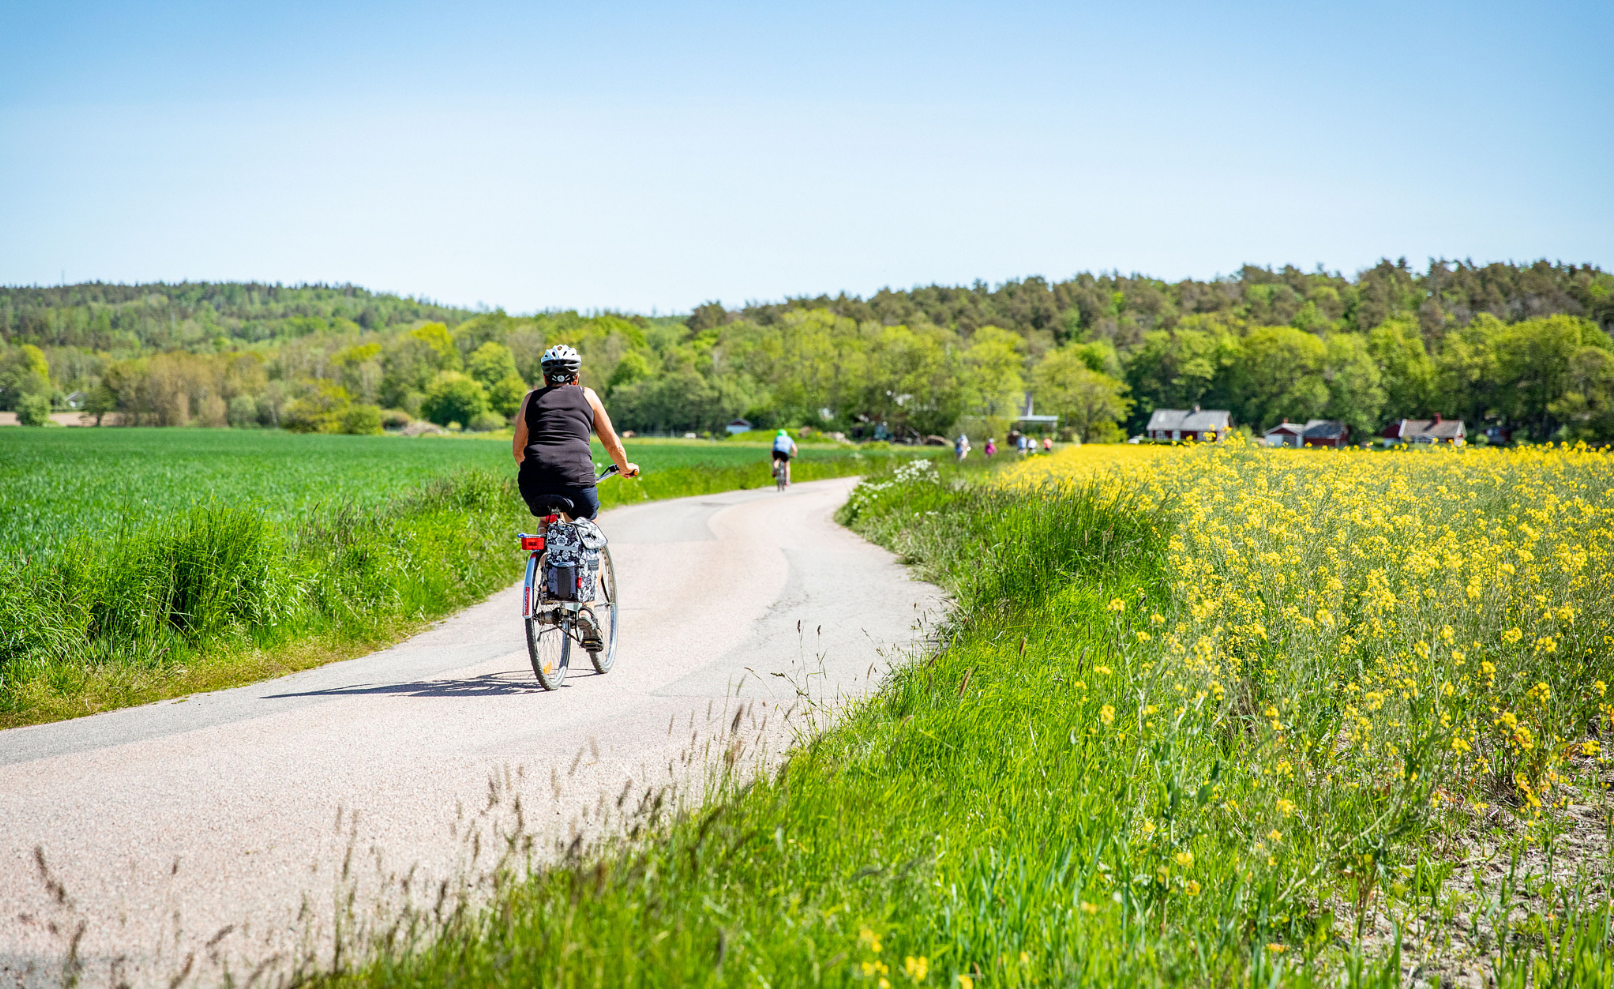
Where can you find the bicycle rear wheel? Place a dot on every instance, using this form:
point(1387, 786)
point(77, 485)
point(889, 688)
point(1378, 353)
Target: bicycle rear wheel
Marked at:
point(550, 647)
point(605, 610)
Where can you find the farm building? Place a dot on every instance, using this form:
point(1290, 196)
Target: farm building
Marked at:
point(1029, 420)
point(1180, 424)
point(1285, 433)
point(1316, 432)
point(1326, 432)
point(739, 426)
point(1436, 430)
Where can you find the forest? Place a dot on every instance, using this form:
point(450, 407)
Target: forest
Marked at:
point(1525, 347)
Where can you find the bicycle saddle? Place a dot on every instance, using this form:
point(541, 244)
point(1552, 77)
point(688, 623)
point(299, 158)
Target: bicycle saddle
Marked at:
point(544, 504)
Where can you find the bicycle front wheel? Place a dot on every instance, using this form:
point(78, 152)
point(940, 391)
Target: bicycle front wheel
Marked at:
point(605, 610)
point(550, 647)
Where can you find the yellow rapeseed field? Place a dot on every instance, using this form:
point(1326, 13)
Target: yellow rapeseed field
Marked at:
point(1367, 617)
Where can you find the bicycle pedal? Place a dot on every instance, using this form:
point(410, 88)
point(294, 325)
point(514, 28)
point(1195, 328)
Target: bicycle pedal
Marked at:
point(590, 638)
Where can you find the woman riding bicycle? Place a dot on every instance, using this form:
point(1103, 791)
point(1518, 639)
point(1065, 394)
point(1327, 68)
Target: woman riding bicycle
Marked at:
point(551, 442)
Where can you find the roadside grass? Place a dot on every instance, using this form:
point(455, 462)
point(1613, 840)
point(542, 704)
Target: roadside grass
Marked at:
point(200, 563)
point(1157, 745)
point(937, 832)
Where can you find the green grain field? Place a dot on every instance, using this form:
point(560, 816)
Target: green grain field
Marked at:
point(61, 485)
point(137, 564)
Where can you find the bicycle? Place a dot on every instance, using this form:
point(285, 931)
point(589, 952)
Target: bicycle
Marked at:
point(781, 474)
point(552, 600)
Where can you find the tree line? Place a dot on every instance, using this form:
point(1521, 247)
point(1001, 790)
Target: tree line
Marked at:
point(1522, 346)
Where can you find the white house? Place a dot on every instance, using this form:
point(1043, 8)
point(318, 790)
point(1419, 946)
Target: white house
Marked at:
point(1208, 425)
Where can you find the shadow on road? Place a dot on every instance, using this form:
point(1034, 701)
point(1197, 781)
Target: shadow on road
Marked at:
point(486, 685)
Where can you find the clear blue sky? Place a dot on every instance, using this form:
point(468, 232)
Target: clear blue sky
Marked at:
point(643, 156)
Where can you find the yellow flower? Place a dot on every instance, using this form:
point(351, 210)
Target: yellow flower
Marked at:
point(1277, 948)
point(1286, 807)
point(1117, 605)
point(1602, 688)
point(965, 982)
point(916, 968)
point(1157, 618)
point(870, 938)
point(1192, 888)
point(1106, 714)
point(1512, 635)
point(1088, 907)
point(1143, 636)
point(1275, 836)
point(1185, 858)
point(1590, 747)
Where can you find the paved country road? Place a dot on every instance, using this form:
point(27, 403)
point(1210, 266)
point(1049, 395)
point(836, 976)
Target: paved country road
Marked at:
point(224, 834)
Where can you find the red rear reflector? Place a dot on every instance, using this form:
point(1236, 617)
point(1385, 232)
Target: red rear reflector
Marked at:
point(532, 542)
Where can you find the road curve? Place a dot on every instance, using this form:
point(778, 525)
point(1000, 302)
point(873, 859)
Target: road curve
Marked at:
point(237, 832)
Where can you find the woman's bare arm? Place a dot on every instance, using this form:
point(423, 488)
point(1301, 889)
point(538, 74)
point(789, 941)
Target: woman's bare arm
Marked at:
point(519, 444)
point(608, 437)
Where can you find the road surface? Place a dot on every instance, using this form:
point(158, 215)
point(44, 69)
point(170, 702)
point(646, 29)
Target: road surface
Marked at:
point(254, 830)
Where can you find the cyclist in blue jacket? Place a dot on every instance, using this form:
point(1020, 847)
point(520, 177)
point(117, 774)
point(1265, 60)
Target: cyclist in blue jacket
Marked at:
point(783, 449)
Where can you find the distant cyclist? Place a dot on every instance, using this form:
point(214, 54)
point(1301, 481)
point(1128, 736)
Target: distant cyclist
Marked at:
point(551, 442)
point(783, 449)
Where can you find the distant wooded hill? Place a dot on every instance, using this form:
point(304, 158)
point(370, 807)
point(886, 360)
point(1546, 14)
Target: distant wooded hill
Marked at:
point(1524, 345)
point(104, 317)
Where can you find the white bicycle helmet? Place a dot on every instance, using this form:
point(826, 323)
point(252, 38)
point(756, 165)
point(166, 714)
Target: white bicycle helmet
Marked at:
point(561, 362)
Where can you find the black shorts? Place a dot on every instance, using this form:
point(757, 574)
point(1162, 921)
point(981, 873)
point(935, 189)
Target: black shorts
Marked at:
point(781, 455)
point(585, 501)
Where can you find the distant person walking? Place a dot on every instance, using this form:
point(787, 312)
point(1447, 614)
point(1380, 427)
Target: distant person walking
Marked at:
point(961, 447)
point(991, 446)
point(1047, 444)
point(1025, 444)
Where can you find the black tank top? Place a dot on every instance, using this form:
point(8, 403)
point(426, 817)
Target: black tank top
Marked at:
point(559, 420)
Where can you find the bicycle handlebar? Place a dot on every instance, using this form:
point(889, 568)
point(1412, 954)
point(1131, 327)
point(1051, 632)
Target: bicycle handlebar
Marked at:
point(607, 472)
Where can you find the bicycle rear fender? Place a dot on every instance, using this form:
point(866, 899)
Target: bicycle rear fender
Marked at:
point(526, 595)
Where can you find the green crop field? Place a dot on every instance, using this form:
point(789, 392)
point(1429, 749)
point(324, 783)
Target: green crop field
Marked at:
point(57, 485)
point(137, 564)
